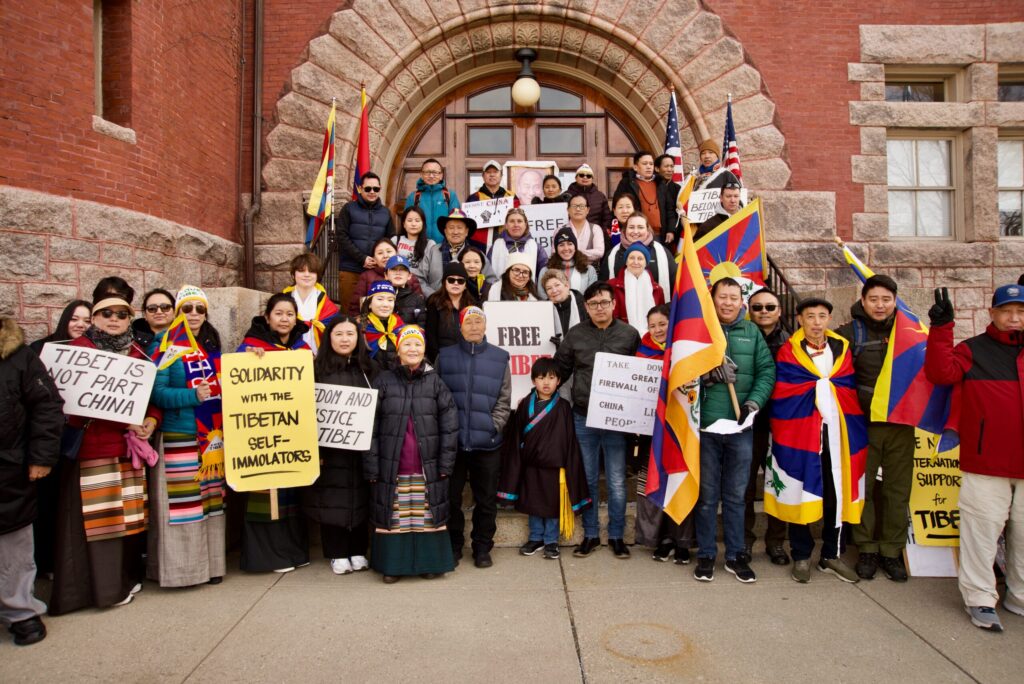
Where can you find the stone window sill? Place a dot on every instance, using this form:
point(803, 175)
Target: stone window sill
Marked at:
point(101, 125)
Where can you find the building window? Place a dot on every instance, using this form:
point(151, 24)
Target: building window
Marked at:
point(920, 187)
point(561, 139)
point(909, 91)
point(485, 140)
point(553, 99)
point(493, 100)
point(112, 55)
point(1011, 186)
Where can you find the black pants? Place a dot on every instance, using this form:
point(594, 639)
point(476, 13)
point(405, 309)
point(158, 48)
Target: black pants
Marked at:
point(775, 535)
point(801, 541)
point(343, 542)
point(482, 469)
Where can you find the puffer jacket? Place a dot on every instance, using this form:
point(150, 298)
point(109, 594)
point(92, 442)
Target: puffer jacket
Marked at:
point(423, 396)
point(360, 225)
point(480, 381)
point(775, 339)
point(755, 375)
point(411, 306)
point(432, 202)
point(30, 426)
point(340, 496)
point(598, 212)
point(869, 357)
point(575, 355)
point(172, 394)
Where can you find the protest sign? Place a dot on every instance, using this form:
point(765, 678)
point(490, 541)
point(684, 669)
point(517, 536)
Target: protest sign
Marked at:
point(270, 427)
point(624, 393)
point(524, 330)
point(704, 204)
point(345, 416)
point(935, 493)
point(100, 384)
point(545, 220)
point(488, 213)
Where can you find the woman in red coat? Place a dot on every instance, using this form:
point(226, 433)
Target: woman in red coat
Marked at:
point(636, 292)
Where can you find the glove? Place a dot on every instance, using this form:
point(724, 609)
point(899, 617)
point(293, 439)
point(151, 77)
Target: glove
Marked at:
point(941, 312)
point(745, 411)
point(725, 373)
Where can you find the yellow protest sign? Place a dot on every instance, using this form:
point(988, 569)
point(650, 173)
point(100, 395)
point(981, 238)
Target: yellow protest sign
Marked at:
point(270, 425)
point(935, 494)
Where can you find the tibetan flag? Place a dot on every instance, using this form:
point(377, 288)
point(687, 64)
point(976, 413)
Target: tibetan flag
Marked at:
point(683, 206)
point(321, 200)
point(730, 153)
point(735, 249)
point(176, 342)
point(672, 144)
point(902, 393)
point(697, 344)
point(363, 148)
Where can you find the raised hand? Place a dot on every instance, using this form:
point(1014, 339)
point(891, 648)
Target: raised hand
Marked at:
point(941, 312)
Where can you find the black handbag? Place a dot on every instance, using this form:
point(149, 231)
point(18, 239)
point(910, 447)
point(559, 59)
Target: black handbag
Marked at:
point(71, 440)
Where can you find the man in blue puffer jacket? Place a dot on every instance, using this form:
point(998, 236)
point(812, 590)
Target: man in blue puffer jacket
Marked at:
point(434, 197)
point(478, 375)
point(360, 224)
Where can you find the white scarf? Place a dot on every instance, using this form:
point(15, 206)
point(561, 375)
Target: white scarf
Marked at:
point(574, 316)
point(499, 255)
point(575, 278)
point(306, 310)
point(639, 298)
point(660, 257)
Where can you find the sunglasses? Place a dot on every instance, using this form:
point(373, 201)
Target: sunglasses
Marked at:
point(370, 189)
point(189, 308)
point(584, 175)
point(455, 280)
point(107, 313)
point(164, 308)
point(764, 307)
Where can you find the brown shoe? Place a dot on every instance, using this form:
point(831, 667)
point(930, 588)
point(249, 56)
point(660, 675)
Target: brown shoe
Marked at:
point(390, 579)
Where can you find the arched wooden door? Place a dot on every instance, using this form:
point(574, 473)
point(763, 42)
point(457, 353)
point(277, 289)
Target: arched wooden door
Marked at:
point(570, 125)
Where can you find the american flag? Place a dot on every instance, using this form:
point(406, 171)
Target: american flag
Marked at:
point(672, 144)
point(730, 152)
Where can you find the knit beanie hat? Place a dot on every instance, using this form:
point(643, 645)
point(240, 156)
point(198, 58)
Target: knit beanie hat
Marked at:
point(190, 293)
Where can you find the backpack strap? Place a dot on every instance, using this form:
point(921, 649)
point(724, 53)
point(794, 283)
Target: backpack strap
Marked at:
point(416, 198)
point(860, 336)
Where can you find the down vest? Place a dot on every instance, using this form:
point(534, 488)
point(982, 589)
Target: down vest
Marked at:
point(755, 377)
point(480, 382)
point(423, 396)
point(30, 426)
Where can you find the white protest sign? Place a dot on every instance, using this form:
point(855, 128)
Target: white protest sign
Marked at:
point(624, 393)
point(488, 213)
point(545, 220)
point(344, 416)
point(524, 330)
point(100, 384)
point(704, 204)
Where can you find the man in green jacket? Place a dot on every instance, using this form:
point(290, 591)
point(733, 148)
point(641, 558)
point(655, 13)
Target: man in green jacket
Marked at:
point(725, 458)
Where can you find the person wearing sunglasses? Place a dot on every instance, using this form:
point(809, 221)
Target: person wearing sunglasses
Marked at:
point(443, 327)
point(361, 224)
point(598, 212)
point(157, 314)
point(765, 311)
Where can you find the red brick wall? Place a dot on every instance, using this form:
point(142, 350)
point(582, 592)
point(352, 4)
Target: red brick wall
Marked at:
point(184, 109)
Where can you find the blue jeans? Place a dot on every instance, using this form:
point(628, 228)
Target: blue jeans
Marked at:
point(543, 529)
point(592, 442)
point(724, 471)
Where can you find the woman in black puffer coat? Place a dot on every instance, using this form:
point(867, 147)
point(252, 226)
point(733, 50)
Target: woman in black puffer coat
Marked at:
point(408, 465)
point(340, 498)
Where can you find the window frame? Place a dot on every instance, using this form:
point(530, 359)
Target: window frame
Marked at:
point(1009, 73)
point(957, 228)
point(951, 78)
point(1008, 136)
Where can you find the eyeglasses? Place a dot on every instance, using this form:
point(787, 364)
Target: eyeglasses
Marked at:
point(764, 307)
point(519, 272)
point(584, 175)
point(164, 308)
point(577, 206)
point(189, 308)
point(599, 304)
point(369, 189)
point(107, 313)
point(429, 172)
point(455, 280)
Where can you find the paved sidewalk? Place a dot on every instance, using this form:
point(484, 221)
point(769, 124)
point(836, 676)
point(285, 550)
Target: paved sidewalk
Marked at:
point(596, 619)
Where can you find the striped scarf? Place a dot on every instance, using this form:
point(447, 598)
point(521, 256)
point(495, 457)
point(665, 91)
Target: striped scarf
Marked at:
point(381, 336)
point(649, 349)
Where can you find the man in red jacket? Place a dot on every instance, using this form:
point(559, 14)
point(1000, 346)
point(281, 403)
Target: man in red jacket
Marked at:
point(987, 372)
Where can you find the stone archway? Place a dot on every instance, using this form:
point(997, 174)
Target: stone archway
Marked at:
point(411, 53)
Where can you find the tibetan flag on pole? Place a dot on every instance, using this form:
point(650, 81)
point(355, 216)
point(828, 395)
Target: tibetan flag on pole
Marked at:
point(730, 153)
point(321, 200)
point(363, 148)
point(177, 342)
point(735, 249)
point(696, 344)
point(672, 144)
point(903, 394)
point(683, 207)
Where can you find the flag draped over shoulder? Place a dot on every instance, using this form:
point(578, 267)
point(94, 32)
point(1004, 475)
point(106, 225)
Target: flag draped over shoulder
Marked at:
point(793, 483)
point(696, 344)
point(735, 249)
point(730, 152)
point(321, 200)
point(672, 144)
point(903, 394)
point(177, 342)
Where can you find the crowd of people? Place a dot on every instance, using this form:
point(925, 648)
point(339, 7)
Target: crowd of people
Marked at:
point(102, 505)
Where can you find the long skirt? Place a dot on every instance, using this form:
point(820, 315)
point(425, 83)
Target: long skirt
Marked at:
point(89, 573)
point(267, 544)
point(653, 525)
point(414, 545)
point(183, 554)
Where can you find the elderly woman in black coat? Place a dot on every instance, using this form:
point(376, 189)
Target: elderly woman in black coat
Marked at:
point(340, 498)
point(413, 453)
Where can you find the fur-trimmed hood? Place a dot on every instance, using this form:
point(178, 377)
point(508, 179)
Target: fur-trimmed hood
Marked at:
point(11, 337)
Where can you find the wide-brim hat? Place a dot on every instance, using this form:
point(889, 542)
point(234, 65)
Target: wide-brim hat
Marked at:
point(456, 215)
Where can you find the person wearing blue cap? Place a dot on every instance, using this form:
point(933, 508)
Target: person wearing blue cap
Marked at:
point(987, 374)
point(636, 292)
point(411, 306)
point(381, 325)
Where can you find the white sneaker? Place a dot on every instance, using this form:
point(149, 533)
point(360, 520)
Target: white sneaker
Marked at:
point(1013, 606)
point(359, 563)
point(341, 566)
point(284, 570)
point(131, 594)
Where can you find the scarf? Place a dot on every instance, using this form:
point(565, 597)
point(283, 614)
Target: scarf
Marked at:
point(502, 248)
point(649, 349)
point(201, 365)
point(615, 233)
point(378, 333)
point(325, 311)
point(574, 277)
point(639, 298)
point(701, 170)
point(793, 487)
point(574, 314)
point(659, 257)
point(118, 344)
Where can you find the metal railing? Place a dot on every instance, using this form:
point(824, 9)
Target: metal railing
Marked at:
point(788, 297)
point(326, 247)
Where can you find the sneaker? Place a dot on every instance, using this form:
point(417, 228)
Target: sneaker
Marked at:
point(777, 554)
point(705, 570)
point(359, 563)
point(482, 559)
point(893, 569)
point(531, 547)
point(619, 548)
point(282, 571)
point(30, 631)
point(551, 551)
point(984, 617)
point(682, 556)
point(741, 569)
point(746, 555)
point(801, 571)
point(838, 568)
point(341, 566)
point(663, 552)
point(390, 579)
point(867, 565)
point(586, 547)
point(1013, 606)
point(131, 594)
